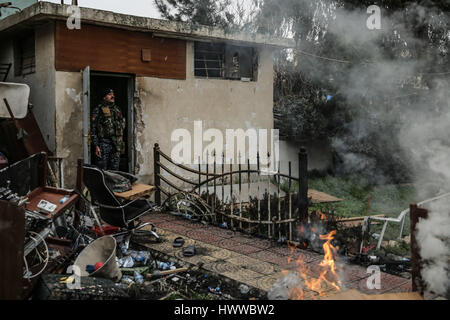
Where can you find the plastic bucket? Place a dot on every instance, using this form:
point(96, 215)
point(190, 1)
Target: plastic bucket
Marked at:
point(101, 250)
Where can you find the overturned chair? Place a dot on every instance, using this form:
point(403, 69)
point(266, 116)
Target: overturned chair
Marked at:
point(112, 210)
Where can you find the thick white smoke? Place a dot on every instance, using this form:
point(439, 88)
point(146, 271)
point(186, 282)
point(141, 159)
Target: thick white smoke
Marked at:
point(282, 288)
point(425, 136)
point(433, 236)
point(417, 105)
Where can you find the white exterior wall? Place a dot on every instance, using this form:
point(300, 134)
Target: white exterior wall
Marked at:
point(163, 105)
point(41, 83)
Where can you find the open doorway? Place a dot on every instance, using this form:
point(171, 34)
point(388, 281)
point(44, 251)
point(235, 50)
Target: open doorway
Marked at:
point(123, 86)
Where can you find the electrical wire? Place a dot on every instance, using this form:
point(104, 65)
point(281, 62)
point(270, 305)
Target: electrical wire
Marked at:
point(46, 260)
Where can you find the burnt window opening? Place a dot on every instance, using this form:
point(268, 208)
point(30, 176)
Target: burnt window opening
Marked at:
point(209, 60)
point(24, 55)
point(223, 61)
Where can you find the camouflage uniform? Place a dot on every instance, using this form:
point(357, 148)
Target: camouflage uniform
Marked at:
point(107, 127)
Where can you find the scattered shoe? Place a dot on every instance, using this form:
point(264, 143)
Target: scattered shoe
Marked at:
point(189, 251)
point(178, 242)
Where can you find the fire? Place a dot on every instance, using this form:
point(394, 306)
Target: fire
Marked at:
point(327, 271)
point(292, 247)
point(296, 293)
point(322, 215)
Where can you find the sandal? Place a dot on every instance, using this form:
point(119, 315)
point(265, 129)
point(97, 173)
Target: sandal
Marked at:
point(178, 242)
point(189, 251)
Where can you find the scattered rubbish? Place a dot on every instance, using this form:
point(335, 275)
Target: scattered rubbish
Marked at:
point(98, 265)
point(130, 271)
point(67, 280)
point(368, 248)
point(165, 273)
point(89, 268)
point(51, 287)
point(46, 206)
point(397, 258)
point(127, 280)
point(141, 257)
point(282, 240)
point(224, 225)
point(125, 245)
point(376, 236)
point(187, 216)
point(244, 289)
point(107, 230)
point(66, 197)
point(101, 250)
point(126, 262)
point(165, 265)
point(392, 243)
point(215, 290)
point(138, 278)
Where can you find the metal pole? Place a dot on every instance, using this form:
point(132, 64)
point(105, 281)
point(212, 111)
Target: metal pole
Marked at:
point(303, 186)
point(415, 213)
point(156, 173)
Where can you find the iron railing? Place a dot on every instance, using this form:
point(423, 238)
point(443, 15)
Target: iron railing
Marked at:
point(210, 191)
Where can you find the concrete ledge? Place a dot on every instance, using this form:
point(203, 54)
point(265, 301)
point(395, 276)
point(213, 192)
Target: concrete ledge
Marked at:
point(52, 11)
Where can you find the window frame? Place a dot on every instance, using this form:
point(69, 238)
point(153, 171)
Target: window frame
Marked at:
point(25, 54)
point(225, 52)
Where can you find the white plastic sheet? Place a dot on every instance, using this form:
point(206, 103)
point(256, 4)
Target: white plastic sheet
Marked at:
point(17, 95)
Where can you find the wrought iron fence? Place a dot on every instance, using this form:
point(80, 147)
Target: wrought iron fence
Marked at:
point(210, 194)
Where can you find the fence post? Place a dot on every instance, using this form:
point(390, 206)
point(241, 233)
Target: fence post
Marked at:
point(416, 263)
point(156, 172)
point(303, 185)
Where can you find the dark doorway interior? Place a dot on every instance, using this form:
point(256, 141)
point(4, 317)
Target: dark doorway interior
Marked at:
point(120, 85)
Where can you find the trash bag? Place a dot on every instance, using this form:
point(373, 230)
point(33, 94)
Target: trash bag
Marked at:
point(117, 182)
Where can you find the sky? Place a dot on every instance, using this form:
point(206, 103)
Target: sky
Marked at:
point(144, 8)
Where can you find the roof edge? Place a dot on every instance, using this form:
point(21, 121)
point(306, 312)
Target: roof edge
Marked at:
point(48, 10)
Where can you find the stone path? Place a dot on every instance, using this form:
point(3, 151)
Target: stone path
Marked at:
point(253, 261)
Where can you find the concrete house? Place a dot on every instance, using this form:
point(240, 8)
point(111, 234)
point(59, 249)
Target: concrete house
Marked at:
point(165, 75)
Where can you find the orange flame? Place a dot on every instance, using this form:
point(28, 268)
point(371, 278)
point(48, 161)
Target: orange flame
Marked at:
point(296, 293)
point(292, 247)
point(327, 271)
point(322, 215)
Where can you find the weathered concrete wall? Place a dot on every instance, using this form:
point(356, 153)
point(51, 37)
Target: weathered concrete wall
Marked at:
point(69, 123)
point(163, 105)
point(42, 82)
point(166, 105)
point(319, 155)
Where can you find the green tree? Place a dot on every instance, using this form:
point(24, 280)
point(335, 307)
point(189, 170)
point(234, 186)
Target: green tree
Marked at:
point(205, 12)
point(374, 77)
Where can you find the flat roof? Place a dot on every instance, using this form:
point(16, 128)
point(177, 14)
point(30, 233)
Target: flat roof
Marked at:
point(52, 11)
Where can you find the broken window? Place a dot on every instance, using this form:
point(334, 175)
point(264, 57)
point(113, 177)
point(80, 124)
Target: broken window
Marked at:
point(24, 55)
point(219, 60)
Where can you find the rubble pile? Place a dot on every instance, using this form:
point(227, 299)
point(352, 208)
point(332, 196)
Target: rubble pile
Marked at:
point(64, 250)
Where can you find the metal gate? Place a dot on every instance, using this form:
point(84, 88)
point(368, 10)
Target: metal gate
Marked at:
point(213, 195)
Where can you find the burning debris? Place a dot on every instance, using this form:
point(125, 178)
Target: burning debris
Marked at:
point(295, 284)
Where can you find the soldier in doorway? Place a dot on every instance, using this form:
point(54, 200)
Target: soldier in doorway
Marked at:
point(107, 127)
